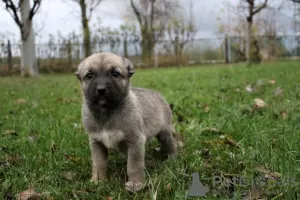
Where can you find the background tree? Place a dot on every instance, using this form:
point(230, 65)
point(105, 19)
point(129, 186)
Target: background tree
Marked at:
point(87, 7)
point(152, 16)
point(253, 7)
point(181, 31)
point(23, 15)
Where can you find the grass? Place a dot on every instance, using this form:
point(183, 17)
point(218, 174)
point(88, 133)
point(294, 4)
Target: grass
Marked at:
point(41, 136)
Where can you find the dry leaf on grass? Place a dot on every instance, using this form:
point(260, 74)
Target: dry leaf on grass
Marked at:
point(32, 138)
point(278, 91)
point(249, 89)
point(268, 173)
point(262, 170)
point(206, 108)
point(72, 158)
point(272, 81)
point(10, 132)
point(208, 130)
point(21, 101)
point(259, 103)
point(231, 143)
point(168, 187)
point(29, 194)
point(69, 175)
point(254, 194)
point(179, 139)
point(283, 114)
point(14, 159)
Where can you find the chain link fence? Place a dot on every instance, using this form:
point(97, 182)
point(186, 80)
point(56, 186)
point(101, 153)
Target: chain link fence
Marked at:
point(64, 57)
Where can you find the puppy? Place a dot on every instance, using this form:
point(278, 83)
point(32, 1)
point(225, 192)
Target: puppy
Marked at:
point(116, 116)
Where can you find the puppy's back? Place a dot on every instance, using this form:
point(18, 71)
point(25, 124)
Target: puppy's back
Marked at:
point(156, 112)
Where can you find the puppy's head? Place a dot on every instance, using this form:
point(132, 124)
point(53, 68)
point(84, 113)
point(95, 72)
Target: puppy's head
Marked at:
point(104, 78)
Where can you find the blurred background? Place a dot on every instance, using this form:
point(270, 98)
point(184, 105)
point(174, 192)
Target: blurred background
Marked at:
point(47, 36)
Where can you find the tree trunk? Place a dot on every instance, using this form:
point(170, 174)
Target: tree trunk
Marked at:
point(86, 29)
point(177, 51)
point(248, 40)
point(28, 54)
point(70, 59)
point(125, 46)
point(9, 56)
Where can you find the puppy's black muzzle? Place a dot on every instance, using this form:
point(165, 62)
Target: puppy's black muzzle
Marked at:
point(101, 91)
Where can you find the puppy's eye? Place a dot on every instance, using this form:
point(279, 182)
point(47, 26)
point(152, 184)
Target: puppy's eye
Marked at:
point(115, 73)
point(89, 76)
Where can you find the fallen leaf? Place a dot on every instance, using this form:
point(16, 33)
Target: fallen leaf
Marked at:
point(260, 82)
point(222, 136)
point(29, 194)
point(4, 164)
point(179, 139)
point(208, 130)
point(249, 88)
point(72, 158)
point(10, 132)
point(206, 108)
point(262, 170)
point(168, 187)
point(268, 173)
point(259, 103)
point(272, 81)
point(76, 125)
point(275, 175)
point(278, 91)
point(21, 101)
point(109, 198)
point(205, 152)
point(254, 194)
point(231, 143)
point(69, 175)
point(14, 159)
point(283, 114)
point(32, 138)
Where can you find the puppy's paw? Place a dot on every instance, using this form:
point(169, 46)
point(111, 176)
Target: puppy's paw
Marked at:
point(133, 186)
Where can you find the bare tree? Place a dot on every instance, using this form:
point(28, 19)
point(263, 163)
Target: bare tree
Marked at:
point(253, 8)
point(181, 31)
point(87, 7)
point(152, 16)
point(23, 15)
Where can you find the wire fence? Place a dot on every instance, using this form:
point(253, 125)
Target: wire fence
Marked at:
point(62, 57)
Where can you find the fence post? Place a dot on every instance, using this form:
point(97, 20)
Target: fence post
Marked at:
point(125, 47)
point(69, 47)
point(226, 49)
point(229, 50)
point(9, 56)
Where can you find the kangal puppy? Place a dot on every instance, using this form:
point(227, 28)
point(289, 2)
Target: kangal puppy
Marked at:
point(116, 116)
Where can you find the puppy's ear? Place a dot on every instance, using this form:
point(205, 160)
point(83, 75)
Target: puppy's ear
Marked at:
point(129, 67)
point(77, 74)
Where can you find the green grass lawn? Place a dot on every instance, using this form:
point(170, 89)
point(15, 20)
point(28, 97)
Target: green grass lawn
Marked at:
point(42, 138)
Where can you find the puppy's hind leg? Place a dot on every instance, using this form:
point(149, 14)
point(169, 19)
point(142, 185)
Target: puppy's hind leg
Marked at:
point(167, 141)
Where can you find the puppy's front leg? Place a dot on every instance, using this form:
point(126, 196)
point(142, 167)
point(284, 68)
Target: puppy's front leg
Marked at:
point(99, 160)
point(136, 166)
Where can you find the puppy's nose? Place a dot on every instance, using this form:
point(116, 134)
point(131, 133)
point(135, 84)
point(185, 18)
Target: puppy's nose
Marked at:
point(101, 90)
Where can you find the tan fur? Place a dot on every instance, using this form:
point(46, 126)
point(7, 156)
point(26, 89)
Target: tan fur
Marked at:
point(123, 118)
